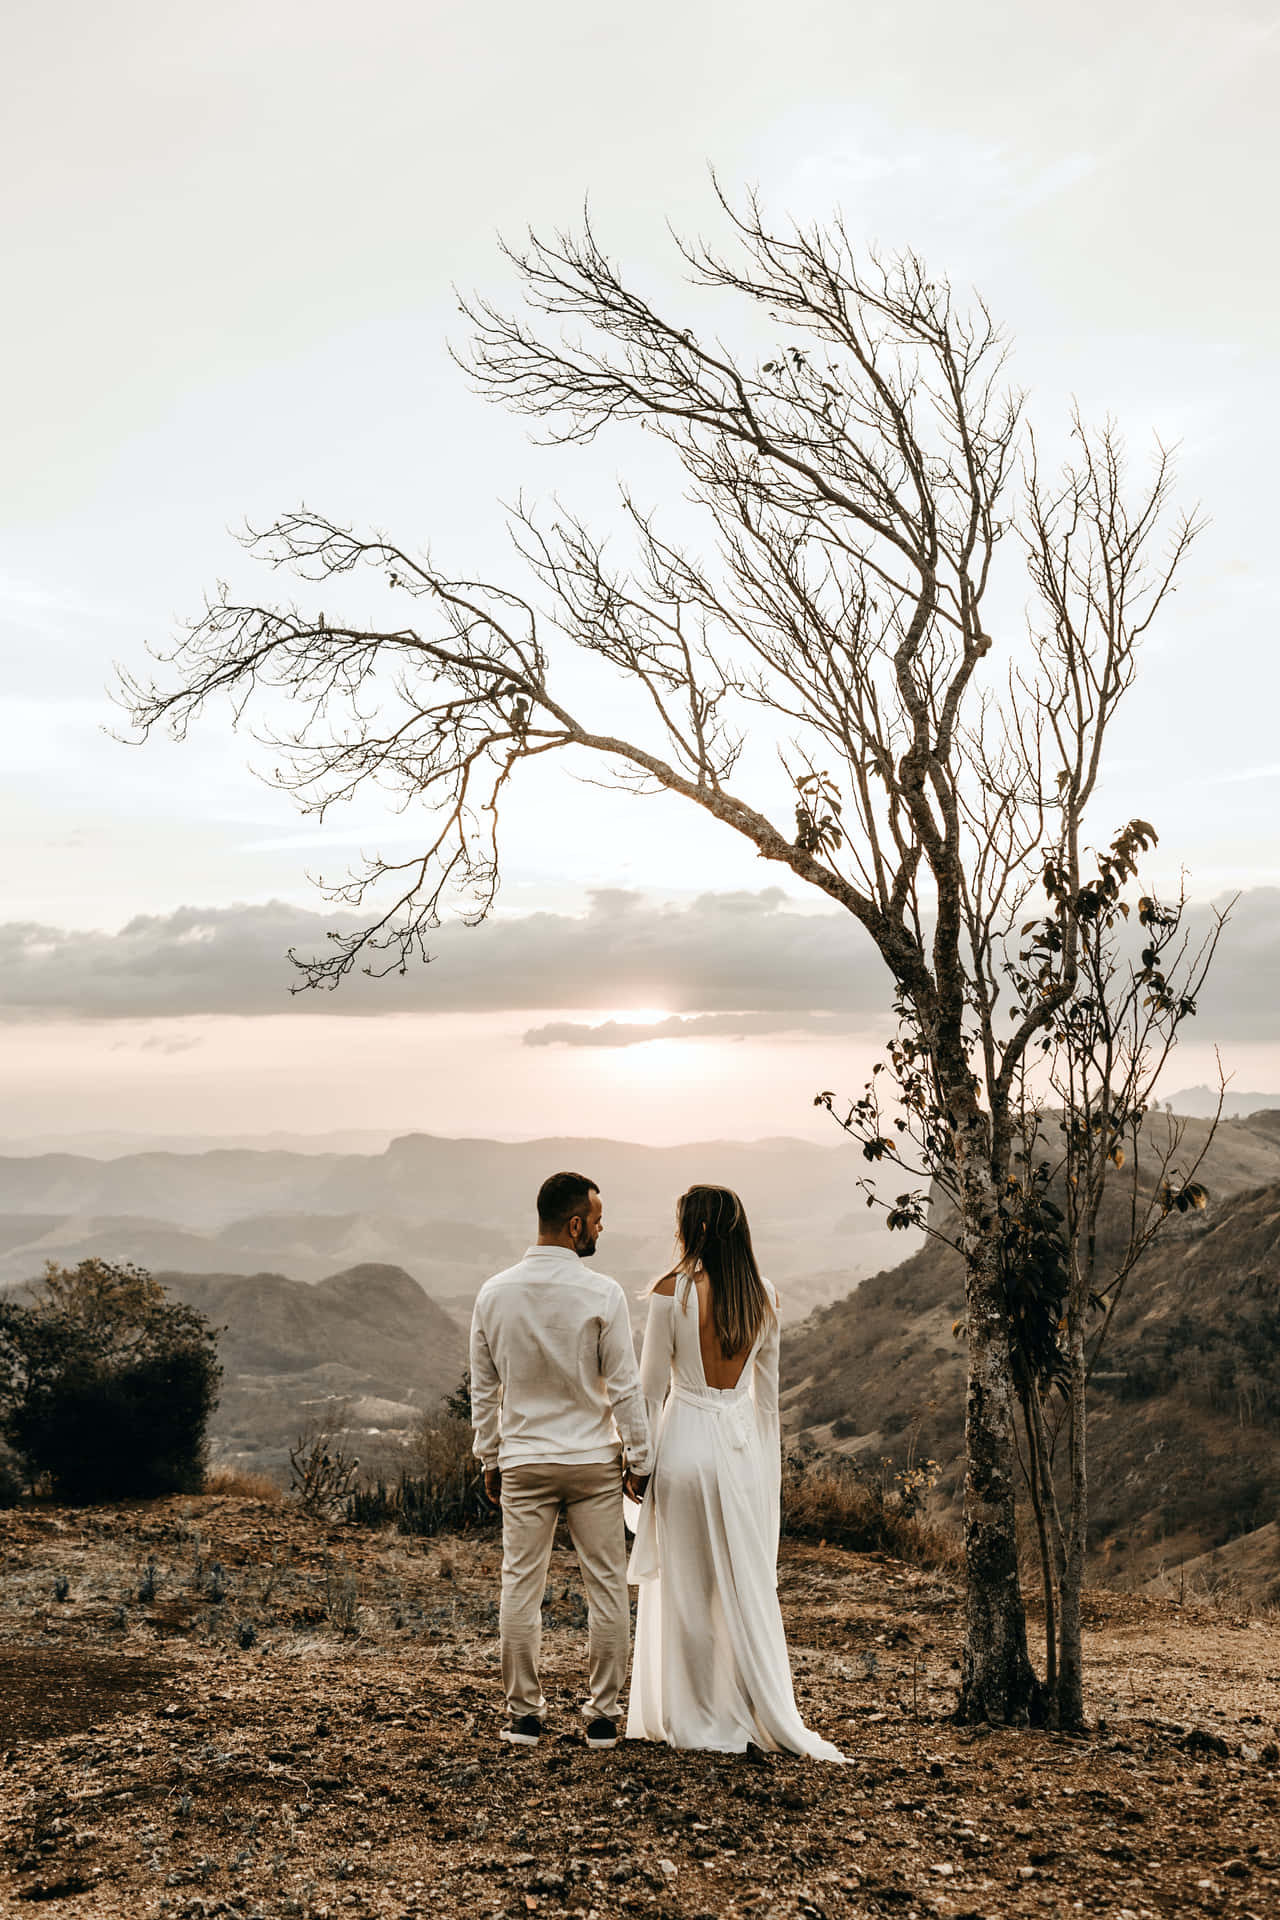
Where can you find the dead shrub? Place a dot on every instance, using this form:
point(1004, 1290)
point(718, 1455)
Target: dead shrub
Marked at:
point(323, 1474)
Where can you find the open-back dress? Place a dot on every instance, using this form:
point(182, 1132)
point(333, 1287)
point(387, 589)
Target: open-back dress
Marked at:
point(710, 1666)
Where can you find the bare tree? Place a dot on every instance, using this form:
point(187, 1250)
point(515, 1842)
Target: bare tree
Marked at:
point(857, 484)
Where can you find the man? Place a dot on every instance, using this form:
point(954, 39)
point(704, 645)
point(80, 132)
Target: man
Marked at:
point(557, 1406)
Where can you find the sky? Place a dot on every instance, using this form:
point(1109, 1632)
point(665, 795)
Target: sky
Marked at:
point(236, 234)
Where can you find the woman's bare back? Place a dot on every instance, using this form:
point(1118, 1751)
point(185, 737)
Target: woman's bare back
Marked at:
point(716, 1370)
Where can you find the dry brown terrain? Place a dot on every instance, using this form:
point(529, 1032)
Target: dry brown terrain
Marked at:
point(233, 1712)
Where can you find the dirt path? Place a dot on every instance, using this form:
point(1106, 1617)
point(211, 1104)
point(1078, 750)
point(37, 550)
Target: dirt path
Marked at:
point(231, 1713)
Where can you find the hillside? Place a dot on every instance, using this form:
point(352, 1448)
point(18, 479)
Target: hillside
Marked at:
point(1184, 1429)
point(450, 1212)
point(289, 1351)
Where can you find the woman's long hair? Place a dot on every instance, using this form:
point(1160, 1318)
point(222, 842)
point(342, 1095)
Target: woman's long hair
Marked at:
point(712, 1233)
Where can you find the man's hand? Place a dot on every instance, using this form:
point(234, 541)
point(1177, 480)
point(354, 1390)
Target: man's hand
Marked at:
point(493, 1486)
point(634, 1484)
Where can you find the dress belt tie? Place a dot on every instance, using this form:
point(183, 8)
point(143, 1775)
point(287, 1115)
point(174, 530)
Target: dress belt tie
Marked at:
point(735, 1412)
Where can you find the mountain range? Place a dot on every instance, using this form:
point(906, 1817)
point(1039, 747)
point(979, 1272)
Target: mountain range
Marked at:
point(450, 1212)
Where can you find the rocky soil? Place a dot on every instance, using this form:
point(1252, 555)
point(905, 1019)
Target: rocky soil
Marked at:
point(215, 1707)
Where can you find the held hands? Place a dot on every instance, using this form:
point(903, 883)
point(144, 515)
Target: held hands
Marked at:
point(493, 1486)
point(634, 1484)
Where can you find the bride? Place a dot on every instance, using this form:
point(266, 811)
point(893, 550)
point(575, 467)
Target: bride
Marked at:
point(710, 1667)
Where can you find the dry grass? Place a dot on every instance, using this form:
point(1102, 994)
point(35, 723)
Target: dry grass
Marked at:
point(827, 1498)
point(235, 1483)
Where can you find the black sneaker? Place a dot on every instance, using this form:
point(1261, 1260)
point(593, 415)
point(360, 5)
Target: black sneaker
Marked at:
point(602, 1733)
point(523, 1732)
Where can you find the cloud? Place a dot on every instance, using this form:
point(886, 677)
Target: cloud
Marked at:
point(749, 961)
point(701, 1026)
point(721, 953)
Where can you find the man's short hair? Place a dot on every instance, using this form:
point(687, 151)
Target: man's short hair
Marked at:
point(563, 1195)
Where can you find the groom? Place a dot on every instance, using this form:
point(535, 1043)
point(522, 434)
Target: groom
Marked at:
point(556, 1402)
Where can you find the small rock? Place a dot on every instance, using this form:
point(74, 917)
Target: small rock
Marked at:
point(668, 1869)
point(1200, 1740)
point(1236, 1869)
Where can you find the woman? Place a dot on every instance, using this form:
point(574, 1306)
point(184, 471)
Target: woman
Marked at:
point(710, 1666)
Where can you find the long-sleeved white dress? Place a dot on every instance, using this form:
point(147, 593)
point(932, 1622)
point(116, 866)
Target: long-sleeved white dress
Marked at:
point(710, 1666)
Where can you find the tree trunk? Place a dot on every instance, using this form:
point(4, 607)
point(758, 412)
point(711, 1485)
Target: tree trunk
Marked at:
point(1070, 1702)
point(1048, 1571)
point(997, 1681)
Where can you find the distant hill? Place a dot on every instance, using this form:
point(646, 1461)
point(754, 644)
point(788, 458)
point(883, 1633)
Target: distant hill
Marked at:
point(1201, 1103)
point(448, 1259)
point(448, 1211)
point(289, 1351)
point(1185, 1422)
point(106, 1144)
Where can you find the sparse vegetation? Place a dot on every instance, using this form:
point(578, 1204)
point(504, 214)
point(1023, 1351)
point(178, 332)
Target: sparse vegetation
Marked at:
point(828, 1497)
point(323, 1473)
point(441, 1489)
point(341, 1596)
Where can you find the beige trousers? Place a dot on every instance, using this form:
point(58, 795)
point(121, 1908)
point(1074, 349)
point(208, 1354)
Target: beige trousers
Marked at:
point(531, 1501)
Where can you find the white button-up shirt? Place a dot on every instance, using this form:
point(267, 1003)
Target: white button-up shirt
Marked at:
point(553, 1367)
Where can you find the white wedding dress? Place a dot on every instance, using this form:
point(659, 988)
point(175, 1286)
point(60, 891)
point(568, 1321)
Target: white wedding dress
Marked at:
point(710, 1665)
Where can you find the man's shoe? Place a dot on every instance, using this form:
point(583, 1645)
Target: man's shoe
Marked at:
point(523, 1732)
point(602, 1733)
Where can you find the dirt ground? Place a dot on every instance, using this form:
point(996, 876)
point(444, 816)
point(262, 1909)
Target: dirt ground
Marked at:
point(215, 1707)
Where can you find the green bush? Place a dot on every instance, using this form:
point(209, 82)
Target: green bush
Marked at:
point(10, 1477)
point(107, 1385)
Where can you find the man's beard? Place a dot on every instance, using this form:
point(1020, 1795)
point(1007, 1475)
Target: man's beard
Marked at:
point(585, 1245)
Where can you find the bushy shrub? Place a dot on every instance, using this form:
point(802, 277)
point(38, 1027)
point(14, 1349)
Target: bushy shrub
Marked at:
point(107, 1385)
point(10, 1477)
